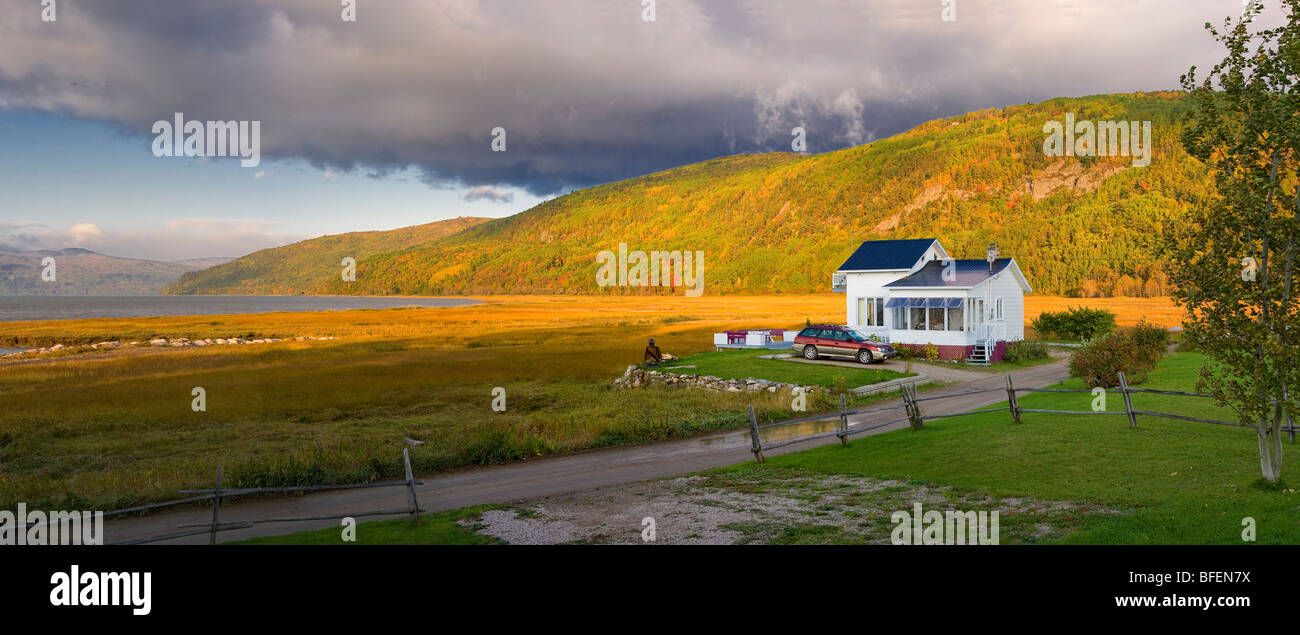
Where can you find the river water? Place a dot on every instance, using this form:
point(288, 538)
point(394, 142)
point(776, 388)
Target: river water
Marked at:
point(20, 308)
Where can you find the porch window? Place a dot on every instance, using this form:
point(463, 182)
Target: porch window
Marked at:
point(900, 318)
point(928, 314)
point(936, 319)
point(916, 318)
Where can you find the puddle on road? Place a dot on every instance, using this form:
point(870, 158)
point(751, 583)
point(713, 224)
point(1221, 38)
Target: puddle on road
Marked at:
point(798, 430)
point(782, 433)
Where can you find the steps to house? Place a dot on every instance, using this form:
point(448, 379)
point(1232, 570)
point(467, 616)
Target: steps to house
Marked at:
point(979, 356)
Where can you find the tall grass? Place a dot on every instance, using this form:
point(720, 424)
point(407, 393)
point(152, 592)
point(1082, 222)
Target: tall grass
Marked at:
point(110, 428)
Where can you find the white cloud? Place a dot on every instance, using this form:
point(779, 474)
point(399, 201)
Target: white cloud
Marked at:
point(82, 232)
point(179, 239)
point(489, 193)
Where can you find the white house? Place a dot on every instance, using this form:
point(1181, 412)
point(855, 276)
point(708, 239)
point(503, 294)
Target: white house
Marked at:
point(913, 293)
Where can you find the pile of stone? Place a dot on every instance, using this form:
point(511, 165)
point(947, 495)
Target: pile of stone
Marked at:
point(635, 377)
point(177, 342)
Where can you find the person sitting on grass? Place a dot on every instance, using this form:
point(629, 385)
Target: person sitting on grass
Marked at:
point(653, 356)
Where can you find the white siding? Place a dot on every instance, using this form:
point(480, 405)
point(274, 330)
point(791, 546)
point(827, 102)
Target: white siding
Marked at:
point(867, 285)
point(1004, 286)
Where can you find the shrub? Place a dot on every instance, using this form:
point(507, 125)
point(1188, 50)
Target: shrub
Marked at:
point(1024, 351)
point(905, 352)
point(1081, 323)
point(1135, 352)
point(1151, 341)
point(931, 352)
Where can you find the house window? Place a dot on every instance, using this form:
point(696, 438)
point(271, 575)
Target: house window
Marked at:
point(900, 318)
point(936, 319)
point(871, 311)
point(956, 319)
point(916, 318)
point(997, 304)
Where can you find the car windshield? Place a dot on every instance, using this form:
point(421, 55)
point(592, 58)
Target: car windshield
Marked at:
point(856, 336)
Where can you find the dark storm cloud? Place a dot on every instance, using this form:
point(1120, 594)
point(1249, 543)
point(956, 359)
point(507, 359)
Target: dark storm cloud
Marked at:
point(586, 90)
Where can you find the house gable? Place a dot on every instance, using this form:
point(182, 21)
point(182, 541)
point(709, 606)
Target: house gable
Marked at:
point(892, 255)
point(965, 274)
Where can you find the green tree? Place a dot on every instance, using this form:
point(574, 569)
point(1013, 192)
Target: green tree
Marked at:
point(1234, 261)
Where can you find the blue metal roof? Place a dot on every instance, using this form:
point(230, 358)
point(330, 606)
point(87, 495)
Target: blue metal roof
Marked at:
point(887, 255)
point(967, 273)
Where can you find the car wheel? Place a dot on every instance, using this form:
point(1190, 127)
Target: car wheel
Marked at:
point(864, 356)
point(810, 352)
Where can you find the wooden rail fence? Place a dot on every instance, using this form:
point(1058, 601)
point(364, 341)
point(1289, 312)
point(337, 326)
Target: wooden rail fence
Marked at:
point(916, 417)
point(217, 493)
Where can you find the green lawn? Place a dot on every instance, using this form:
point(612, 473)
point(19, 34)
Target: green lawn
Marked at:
point(746, 363)
point(1177, 482)
point(1167, 482)
point(434, 529)
point(996, 367)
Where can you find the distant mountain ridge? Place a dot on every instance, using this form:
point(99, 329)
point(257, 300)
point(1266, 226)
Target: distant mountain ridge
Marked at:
point(782, 222)
point(301, 267)
point(80, 271)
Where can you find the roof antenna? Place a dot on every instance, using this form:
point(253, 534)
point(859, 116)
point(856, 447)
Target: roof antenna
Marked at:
point(991, 255)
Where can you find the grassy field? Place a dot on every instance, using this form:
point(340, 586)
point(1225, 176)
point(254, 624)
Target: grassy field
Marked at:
point(1157, 311)
point(744, 364)
point(108, 428)
point(1164, 482)
point(1178, 482)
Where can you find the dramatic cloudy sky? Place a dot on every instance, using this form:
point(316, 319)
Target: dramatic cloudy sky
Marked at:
point(387, 121)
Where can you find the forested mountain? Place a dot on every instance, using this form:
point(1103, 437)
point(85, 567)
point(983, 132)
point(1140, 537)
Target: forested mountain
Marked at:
point(80, 272)
point(304, 266)
point(782, 222)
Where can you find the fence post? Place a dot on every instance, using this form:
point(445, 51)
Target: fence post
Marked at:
point(1012, 401)
point(1128, 400)
point(410, 487)
point(216, 508)
point(844, 420)
point(757, 447)
point(915, 418)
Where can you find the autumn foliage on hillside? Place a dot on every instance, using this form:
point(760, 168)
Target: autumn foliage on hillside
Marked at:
point(782, 223)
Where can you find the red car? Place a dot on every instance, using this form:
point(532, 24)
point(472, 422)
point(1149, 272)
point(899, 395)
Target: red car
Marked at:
point(840, 341)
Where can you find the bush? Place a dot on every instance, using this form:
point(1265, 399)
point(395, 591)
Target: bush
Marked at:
point(1135, 351)
point(905, 352)
point(931, 352)
point(1080, 323)
point(1151, 341)
point(1024, 351)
